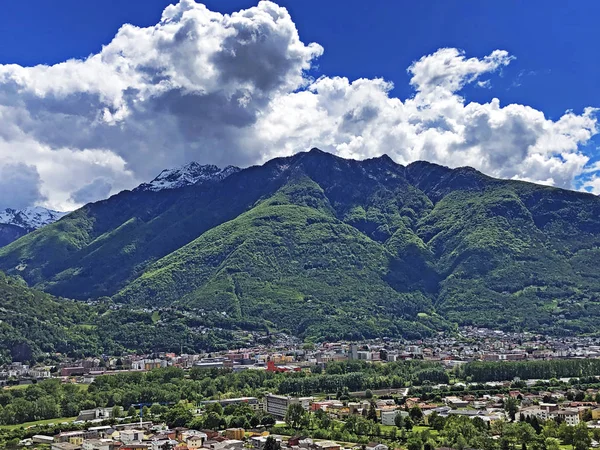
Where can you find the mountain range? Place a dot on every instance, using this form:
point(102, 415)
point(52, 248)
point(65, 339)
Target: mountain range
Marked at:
point(16, 223)
point(326, 248)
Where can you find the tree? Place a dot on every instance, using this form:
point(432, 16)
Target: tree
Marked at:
point(408, 423)
point(212, 421)
point(237, 421)
point(369, 394)
point(216, 407)
point(131, 411)
point(416, 414)
point(271, 444)
point(372, 414)
point(156, 409)
point(581, 437)
point(399, 420)
point(437, 422)
point(267, 421)
point(295, 415)
point(178, 416)
point(414, 443)
point(552, 443)
point(511, 407)
point(116, 411)
point(565, 433)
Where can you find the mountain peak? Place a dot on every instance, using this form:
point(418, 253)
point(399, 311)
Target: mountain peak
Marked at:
point(187, 175)
point(30, 218)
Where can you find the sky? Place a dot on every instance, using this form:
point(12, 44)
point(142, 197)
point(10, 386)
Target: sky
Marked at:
point(100, 96)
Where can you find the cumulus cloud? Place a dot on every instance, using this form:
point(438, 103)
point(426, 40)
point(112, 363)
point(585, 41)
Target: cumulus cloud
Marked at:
point(19, 186)
point(233, 89)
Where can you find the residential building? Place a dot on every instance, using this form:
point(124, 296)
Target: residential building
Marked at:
point(65, 446)
point(97, 444)
point(277, 405)
point(41, 439)
point(235, 433)
point(327, 445)
point(131, 436)
point(389, 417)
point(570, 416)
point(95, 414)
point(194, 442)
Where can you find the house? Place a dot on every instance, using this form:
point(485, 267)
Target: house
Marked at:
point(235, 433)
point(185, 436)
point(258, 442)
point(194, 442)
point(234, 444)
point(596, 414)
point(271, 367)
point(41, 439)
point(94, 414)
point(294, 441)
point(131, 436)
point(105, 431)
point(389, 417)
point(376, 446)
point(97, 444)
point(161, 444)
point(456, 402)
point(327, 445)
point(138, 446)
point(72, 437)
point(65, 446)
point(72, 371)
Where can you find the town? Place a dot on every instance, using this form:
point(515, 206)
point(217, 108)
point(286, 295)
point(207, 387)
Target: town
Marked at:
point(468, 344)
point(376, 394)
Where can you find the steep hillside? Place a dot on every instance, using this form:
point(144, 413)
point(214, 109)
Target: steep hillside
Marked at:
point(289, 259)
point(327, 247)
point(36, 325)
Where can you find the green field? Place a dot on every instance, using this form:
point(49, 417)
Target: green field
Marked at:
point(18, 386)
point(37, 423)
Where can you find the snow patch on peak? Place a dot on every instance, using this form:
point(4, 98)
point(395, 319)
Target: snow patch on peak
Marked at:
point(30, 218)
point(187, 175)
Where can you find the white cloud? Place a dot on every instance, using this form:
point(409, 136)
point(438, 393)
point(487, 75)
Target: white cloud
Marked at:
point(232, 89)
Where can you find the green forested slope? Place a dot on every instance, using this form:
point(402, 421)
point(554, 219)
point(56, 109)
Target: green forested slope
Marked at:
point(327, 247)
point(289, 259)
point(35, 325)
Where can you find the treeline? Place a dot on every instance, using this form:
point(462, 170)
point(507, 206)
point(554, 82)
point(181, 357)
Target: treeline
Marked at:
point(359, 375)
point(503, 371)
point(50, 399)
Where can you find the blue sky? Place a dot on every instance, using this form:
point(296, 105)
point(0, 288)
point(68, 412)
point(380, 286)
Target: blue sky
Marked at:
point(555, 67)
